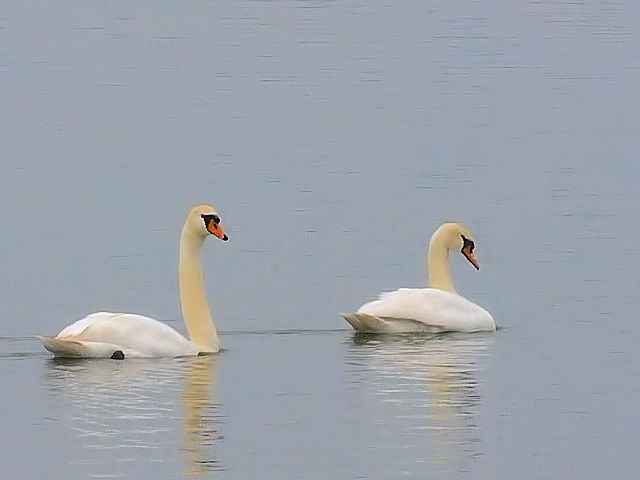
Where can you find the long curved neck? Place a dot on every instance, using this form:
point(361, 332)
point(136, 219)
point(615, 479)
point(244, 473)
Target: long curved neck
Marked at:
point(439, 270)
point(193, 299)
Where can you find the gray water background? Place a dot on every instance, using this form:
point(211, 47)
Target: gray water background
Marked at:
point(333, 138)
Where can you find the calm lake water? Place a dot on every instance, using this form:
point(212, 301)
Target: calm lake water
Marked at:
point(333, 138)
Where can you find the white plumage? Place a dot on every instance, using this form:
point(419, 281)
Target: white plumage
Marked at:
point(436, 309)
point(127, 335)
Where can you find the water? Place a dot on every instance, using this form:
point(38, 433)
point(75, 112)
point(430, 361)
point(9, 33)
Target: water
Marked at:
point(333, 138)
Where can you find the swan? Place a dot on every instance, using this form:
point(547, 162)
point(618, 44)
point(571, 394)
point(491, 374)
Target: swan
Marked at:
point(436, 309)
point(126, 335)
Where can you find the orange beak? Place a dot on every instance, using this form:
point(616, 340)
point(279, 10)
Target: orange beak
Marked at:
point(466, 251)
point(215, 229)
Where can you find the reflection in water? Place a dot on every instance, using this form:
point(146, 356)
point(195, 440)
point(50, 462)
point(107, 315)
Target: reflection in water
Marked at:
point(201, 417)
point(131, 409)
point(430, 385)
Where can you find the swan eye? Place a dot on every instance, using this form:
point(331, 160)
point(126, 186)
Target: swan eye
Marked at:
point(467, 244)
point(208, 218)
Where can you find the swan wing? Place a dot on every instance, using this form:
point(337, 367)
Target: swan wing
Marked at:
point(430, 307)
point(102, 333)
point(77, 327)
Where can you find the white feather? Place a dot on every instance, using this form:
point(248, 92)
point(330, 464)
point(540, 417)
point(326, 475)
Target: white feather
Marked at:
point(436, 309)
point(105, 334)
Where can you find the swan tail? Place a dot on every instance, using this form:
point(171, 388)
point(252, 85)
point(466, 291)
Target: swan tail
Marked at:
point(64, 348)
point(70, 348)
point(366, 323)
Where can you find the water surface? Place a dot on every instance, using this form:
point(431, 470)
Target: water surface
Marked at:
point(333, 138)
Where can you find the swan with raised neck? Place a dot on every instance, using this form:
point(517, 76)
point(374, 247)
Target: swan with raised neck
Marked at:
point(193, 298)
point(125, 335)
point(435, 309)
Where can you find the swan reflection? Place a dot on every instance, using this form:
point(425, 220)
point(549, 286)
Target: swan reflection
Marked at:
point(201, 417)
point(127, 414)
point(431, 388)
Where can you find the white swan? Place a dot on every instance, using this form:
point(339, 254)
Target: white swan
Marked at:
point(126, 335)
point(435, 309)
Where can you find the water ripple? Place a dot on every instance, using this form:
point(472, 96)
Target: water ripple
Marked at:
point(122, 407)
point(431, 386)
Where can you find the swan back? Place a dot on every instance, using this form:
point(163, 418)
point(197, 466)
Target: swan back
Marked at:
point(135, 335)
point(437, 309)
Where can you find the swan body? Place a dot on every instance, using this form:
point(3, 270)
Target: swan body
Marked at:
point(126, 335)
point(436, 309)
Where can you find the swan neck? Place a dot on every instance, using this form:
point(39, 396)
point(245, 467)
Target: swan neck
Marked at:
point(439, 269)
point(193, 299)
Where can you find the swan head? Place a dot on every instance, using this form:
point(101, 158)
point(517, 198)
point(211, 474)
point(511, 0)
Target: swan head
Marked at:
point(205, 220)
point(457, 237)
